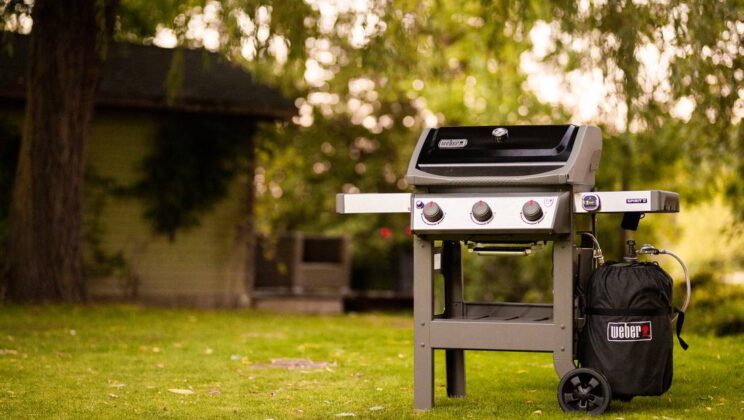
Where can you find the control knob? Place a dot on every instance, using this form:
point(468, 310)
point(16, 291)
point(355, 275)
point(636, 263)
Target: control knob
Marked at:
point(482, 212)
point(432, 212)
point(531, 211)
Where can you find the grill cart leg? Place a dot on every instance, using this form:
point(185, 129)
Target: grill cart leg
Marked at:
point(453, 308)
point(563, 309)
point(423, 313)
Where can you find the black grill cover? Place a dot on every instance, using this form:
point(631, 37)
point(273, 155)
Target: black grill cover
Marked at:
point(628, 335)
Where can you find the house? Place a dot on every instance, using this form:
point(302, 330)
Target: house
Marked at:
point(142, 91)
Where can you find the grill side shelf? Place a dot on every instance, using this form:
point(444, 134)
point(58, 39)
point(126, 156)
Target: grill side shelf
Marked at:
point(373, 203)
point(648, 201)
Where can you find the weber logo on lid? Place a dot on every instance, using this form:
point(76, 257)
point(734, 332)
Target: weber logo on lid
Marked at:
point(452, 143)
point(629, 331)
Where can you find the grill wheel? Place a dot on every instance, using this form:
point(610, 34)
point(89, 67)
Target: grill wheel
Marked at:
point(584, 390)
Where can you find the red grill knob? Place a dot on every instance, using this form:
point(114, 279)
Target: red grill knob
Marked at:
point(432, 212)
point(482, 212)
point(532, 211)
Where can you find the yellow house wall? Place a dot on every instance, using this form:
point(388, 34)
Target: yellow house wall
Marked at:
point(204, 265)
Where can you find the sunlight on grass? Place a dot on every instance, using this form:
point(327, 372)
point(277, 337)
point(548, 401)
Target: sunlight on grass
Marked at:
point(123, 362)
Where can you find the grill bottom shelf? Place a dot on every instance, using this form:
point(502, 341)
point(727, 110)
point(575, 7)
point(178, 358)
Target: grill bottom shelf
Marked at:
point(504, 312)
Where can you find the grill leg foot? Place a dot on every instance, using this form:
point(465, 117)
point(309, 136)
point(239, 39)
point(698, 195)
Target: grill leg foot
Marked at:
point(423, 378)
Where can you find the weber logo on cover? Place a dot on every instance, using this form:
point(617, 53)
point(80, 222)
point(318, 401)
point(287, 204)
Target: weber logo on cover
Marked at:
point(452, 143)
point(629, 331)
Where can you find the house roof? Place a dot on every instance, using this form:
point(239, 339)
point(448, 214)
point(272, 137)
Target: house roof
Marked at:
point(135, 76)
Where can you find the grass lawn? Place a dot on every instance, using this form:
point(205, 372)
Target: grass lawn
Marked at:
point(128, 362)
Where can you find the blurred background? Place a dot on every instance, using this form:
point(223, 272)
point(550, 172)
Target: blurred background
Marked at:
point(223, 130)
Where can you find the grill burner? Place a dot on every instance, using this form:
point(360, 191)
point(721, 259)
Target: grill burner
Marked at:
point(503, 190)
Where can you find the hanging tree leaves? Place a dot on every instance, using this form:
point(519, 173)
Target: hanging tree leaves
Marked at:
point(370, 75)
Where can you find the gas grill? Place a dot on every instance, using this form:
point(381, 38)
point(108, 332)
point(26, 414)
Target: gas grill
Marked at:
point(502, 190)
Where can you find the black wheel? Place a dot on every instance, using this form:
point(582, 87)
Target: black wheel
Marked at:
point(584, 390)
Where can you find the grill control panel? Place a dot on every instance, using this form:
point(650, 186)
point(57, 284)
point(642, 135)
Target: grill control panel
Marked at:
point(486, 213)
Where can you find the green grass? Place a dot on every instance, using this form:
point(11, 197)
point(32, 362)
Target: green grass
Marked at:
point(120, 362)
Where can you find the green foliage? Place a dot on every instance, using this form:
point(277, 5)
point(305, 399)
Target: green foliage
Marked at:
point(98, 260)
point(509, 278)
point(443, 62)
point(193, 160)
point(382, 261)
point(459, 63)
point(717, 307)
point(701, 39)
point(436, 62)
point(11, 12)
point(140, 18)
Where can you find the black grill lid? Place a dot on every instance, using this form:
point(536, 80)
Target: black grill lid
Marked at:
point(503, 155)
point(471, 146)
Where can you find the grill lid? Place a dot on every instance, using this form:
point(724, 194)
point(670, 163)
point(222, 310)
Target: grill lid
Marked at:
point(499, 155)
point(452, 145)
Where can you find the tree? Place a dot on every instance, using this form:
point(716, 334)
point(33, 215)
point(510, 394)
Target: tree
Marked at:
point(431, 63)
point(697, 60)
point(68, 44)
point(427, 63)
point(458, 62)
